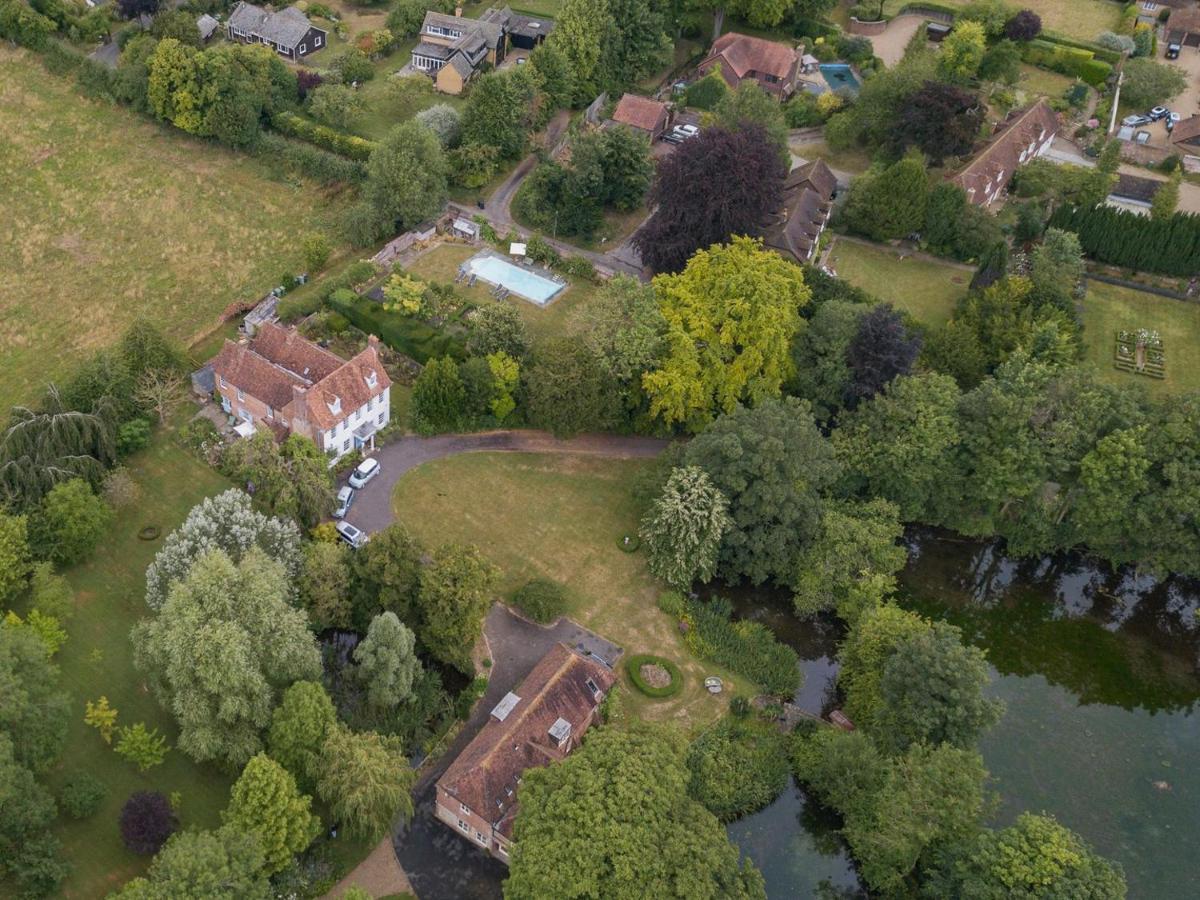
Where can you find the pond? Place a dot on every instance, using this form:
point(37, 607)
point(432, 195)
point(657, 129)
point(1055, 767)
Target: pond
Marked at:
point(1100, 672)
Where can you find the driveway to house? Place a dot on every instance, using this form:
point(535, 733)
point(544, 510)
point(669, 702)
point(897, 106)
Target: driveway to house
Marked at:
point(1065, 151)
point(372, 509)
point(890, 45)
point(499, 205)
point(439, 864)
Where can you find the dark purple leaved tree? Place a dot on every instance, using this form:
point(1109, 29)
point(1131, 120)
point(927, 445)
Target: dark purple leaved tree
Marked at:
point(307, 80)
point(147, 820)
point(131, 9)
point(880, 350)
point(1024, 26)
point(942, 119)
point(717, 184)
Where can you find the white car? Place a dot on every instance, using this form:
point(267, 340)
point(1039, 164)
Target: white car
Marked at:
point(355, 537)
point(345, 497)
point(367, 469)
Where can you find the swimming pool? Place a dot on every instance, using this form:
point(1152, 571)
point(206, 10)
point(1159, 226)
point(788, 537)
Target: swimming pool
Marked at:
point(530, 285)
point(838, 75)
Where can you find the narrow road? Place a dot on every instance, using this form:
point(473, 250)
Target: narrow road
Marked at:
point(372, 509)
point(499, 205)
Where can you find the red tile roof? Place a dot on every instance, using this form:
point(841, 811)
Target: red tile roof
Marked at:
point(807, 201)
point(485, 775)
point(1186, 131)
point(743, 54)
point(1001, 156)
point(640, 112)
point(278, 361)
point(1185, 20)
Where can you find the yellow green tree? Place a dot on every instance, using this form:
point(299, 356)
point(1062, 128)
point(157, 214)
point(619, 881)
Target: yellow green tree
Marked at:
point(265, 803)
point(731, 316)
point(506, 373)
point(102, 717)
point(962, 51)
point(404, 294)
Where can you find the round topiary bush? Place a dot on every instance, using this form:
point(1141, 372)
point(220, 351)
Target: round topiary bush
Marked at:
point(542, 600)
point(654, 676)
point(629, 542)
point(147, 820)
point(82, 795)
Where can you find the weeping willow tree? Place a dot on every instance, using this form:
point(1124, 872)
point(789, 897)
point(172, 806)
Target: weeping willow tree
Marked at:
point(42, 447)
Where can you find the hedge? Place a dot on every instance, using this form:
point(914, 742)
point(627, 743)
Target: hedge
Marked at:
point(337, 141)
point(404, 334)
point(308, 159)
point(1077, 62)
point(1168, 246)
point(1112, 57)
point(633, 667)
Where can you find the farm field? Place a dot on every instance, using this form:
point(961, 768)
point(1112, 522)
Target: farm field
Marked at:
point(109, 216)
point(561, 517)
point(926, 289)
point(1108, 309)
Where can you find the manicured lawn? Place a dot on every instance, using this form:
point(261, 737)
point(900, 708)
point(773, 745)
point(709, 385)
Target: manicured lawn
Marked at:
point(107, 216)
point(441, 264)
point(1108, 309)
point(854, 161)
point(1038, 82)
point(98, 659)
point(926, 289)
point(1080, 19)
point(390, 100)
point(561, 517)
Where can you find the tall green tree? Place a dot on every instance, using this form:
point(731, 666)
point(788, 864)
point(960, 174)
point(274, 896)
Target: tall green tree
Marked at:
point(855, 540)
point(572, 839)
point(623, 327)
point(567, 389)
point(387, 661)
point(771, 463)
point(731, 316)
point(299, 726)
point(200, 865)
point(456, 593)
point(222, 649)
point(324, 584)
point(265, 803)
point(291, 479)
point(69, 523)
point(684, 527)
point(386, 576)
point(889, 203)
point(962, 51)
point(819, 356)
point(366, 781)
point(33, 710)
point(28, 851)
point(15, 561)
point(750, 104)
point(579, 30)
point(502, 109)
point(406, 177)
point(438, 399)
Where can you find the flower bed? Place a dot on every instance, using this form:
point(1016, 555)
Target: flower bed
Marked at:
point(634, 665)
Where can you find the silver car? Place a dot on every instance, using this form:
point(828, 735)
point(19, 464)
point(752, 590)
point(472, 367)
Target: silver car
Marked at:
point(345, 497)
point(367, 469)
point(355, 537)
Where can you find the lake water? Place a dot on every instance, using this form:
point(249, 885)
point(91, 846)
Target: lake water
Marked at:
point(1100, 671)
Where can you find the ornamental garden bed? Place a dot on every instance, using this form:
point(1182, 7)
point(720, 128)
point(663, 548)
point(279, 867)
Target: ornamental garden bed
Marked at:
point(654, 676)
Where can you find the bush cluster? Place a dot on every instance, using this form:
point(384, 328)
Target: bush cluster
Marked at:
point(633, 668)
point(323, 136)
point(738, 766)
point(309, 160)
point(542, 600)
point(308, 302)
point(1076, 61)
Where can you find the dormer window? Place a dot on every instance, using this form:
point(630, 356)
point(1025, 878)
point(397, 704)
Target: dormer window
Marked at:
point(336, 406)
point(372, 379)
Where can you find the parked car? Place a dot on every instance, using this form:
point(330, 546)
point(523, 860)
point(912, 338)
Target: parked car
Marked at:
point(1173, 51)
point(1173, 120)
point(1159, 112)
point(1134, 121)
point(355, 537)
point(345, 497)
point(681, 133)
point(367, 469)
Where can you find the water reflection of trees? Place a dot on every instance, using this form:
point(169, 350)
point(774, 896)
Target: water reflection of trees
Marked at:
point(1110, 636)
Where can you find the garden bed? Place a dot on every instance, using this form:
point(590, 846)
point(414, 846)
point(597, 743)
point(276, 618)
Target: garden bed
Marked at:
point(654, 676)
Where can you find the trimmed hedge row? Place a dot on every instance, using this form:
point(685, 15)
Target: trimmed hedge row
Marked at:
point(633, 667)
point(330, 139)
point(403, 334)
point(308, 159)
point(1168, 246)
point(1074, 61)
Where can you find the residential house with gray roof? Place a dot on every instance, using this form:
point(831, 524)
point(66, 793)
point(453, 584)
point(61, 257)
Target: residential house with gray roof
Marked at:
point(453, 48)
point(288, 32)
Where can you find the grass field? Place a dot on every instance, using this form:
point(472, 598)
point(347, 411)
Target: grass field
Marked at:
point(1080, 19)
point(441, 264)
point(925, 288)
point(1109, 309)
point(561, 517)
point(854, 160)
point(97, 659)
point(107, 216)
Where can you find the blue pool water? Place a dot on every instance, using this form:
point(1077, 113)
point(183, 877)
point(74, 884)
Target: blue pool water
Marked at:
point(838, 75)
point(530, 285)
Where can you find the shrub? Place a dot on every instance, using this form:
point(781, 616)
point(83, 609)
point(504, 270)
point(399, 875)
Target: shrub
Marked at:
point(147, 820)
point(748, 648)
point(308, 160)
point(323, 136)
point(82, 795)
point(133, 436)
point(633, 668)
point(542, 600)
point(737, 767)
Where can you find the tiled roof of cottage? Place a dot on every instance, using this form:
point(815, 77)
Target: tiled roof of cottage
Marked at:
point(1134, 187)
point(816, 175)
point(1002, 153)
point(639, 112)
point(1186, 20)
point(807, 200)
point(743, 53)
point(207, 25)
point(485, 775)
point(278, 361)
point(287, 27)
point(1187, 130)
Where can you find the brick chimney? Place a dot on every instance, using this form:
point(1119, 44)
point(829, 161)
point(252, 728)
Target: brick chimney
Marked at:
point(373, 341)
point(458, 11)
